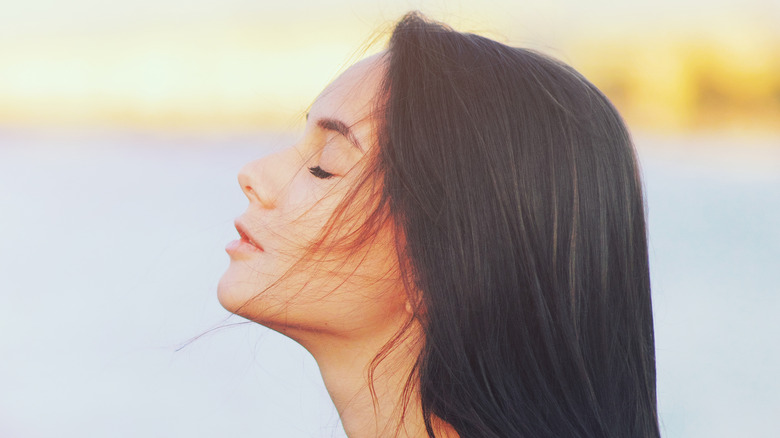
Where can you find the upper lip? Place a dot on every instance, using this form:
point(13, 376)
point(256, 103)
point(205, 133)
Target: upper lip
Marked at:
point(241, 228)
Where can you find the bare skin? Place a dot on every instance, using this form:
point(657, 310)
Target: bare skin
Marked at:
point(344, 321)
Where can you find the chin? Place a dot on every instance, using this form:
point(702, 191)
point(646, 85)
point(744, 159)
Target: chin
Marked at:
point(236, 289)
point(246, 297)
point(227, 293)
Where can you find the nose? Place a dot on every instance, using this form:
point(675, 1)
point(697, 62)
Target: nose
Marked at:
point(263, 180)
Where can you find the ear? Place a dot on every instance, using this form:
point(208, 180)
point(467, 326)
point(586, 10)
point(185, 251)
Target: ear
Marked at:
point(414, 304)
point(413, 300)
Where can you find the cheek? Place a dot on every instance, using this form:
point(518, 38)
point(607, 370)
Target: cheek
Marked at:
point(260, 285)
point(339, 290)
point(357, 294)
point(308, 206)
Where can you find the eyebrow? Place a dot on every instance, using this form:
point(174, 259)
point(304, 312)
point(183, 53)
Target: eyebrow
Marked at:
point(340, 127)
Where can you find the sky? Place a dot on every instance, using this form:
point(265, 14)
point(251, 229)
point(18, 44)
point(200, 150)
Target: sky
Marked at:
point(236, 64)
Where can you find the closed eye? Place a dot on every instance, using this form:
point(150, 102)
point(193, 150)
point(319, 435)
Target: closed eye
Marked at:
point(319, 173)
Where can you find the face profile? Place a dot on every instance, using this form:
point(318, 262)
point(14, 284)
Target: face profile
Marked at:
point(458, 239)
point(292, 194)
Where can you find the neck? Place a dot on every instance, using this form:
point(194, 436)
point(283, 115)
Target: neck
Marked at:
point(346, 367)
point(369, 395)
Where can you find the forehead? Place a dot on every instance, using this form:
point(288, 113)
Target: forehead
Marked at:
point(351, 97)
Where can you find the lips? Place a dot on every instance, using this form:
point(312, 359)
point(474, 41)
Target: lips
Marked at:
point(245, 237)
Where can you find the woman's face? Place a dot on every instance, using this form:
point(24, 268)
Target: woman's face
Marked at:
point(292, 194)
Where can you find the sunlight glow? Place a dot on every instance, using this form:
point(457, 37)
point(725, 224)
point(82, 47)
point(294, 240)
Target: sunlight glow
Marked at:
point(253, 73)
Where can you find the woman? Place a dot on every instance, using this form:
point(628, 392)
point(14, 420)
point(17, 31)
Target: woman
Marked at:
point(459, 241)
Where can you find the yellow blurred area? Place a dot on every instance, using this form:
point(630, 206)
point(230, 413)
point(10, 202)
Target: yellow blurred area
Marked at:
point(678, 82)
point(237, 76)
point(258, 76)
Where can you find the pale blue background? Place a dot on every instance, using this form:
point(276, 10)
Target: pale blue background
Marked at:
point(111, 246)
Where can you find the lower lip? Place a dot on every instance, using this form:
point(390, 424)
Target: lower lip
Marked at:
point(241, 246)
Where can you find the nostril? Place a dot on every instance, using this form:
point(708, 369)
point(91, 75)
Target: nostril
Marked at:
point(267, 203)
point(257, 183)
point(260, 197)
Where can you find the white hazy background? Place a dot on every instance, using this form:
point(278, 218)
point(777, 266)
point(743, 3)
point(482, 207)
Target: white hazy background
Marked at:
point(112, 237)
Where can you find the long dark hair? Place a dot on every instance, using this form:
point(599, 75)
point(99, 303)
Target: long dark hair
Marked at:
point(516, 192)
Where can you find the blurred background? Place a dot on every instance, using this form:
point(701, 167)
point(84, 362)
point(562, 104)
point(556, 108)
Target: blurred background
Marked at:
point(123, 125)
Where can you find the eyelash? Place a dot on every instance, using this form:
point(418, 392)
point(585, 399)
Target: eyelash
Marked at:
point(319, 173)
